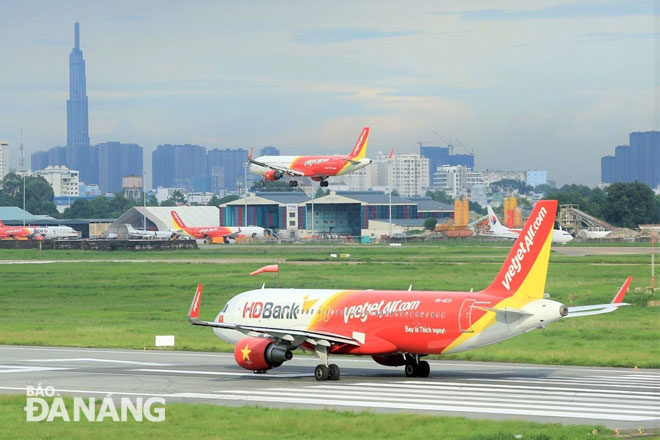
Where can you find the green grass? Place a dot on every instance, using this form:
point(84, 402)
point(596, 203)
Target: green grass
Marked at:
point(124, 305)
point(221, 422)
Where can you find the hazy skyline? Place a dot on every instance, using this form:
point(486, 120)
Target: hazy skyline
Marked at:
point(549, 85)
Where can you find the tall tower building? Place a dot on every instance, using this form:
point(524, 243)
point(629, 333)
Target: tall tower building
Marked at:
point(77, 130)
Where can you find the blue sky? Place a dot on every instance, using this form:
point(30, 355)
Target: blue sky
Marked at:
point(549, 85)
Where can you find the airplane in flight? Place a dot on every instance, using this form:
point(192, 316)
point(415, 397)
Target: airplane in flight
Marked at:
point(153, 235)
point(204, 232)
point(398, 328)
point(318, 168)
point(497, 229)
point(16, 232)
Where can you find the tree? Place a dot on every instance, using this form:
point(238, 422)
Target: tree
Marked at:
point(177, 198)
point(80, 208)
point(440, 196)
point(630, 204)
point(38, 194)
point(510, 185)
point(429, 223)
point(215, 201)
point(228, 198)
point(278, 185)
point(320, 193)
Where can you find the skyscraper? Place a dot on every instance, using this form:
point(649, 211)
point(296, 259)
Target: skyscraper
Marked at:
point(638, 162)
point(77, 130)
point(179, 166)
point(116, 161)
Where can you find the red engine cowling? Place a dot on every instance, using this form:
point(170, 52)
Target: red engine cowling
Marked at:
point(390, 360)
point(259, 354)
point(272, 175)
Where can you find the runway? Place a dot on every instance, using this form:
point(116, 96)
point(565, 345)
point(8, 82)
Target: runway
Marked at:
point(614, 397)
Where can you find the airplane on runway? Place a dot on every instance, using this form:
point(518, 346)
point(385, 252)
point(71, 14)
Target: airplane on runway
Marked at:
point(398, 328)
point(497, 229)
point(157, 235)
point(204, 232)
point(16, 232)
point(318, 168)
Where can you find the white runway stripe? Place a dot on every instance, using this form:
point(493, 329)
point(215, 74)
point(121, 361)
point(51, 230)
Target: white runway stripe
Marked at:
point(581, 382)
point(26, 369)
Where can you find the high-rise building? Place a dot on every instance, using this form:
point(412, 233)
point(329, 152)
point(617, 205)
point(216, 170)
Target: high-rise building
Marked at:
point(4, 159)
point(454, 179)
point(77, 129)
point(638, 162)
point(409, 174)
point(65, 182)
point(180, 166)
point(116, 161)
point(269, 151)
point(439, 156)
point(85, 159)
point(230, 162)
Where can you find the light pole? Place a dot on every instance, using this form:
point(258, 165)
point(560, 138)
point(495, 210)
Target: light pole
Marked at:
point(245, 193)
point(313, 196)
point(24, 198)
point(390, 213)
point(144, 197)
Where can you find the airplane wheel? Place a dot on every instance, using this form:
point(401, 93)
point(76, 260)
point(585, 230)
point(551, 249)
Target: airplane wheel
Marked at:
point(412, 370)
point(333, 373)
point(424, 369)
point(259, 371)
point(321, 372)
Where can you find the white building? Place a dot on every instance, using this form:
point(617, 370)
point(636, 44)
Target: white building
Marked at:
point(492, 176)
point(65, 182)
point(453, 179)
point(409, 174)
point(536, 178)
point(4, 159)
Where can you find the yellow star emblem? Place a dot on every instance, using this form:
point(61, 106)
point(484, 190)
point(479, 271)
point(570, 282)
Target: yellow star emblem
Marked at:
point(246, 353)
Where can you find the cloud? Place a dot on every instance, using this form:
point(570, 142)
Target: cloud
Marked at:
point(567, 10)
point(343, 35)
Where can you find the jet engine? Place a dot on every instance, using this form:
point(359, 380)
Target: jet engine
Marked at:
point(272, 175)
point(260, 354)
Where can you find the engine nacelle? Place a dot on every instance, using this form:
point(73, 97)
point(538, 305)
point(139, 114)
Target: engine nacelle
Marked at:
point(272, 175)
point(259, 354)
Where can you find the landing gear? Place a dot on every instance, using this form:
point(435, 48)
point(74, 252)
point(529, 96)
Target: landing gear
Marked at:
point(293, 183)
point(324, 371)
point(324, 183)
point(416, 367)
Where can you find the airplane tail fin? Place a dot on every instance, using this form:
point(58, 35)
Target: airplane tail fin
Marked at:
point(178, 223)
point(493, 221)
point(359, 150)
point(525, 268)
point(1, 223)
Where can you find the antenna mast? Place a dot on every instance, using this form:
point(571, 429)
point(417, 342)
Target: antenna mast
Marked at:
point(21, 157)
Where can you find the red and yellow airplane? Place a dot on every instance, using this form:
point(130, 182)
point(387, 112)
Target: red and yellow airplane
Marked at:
point(398, 328)
point(16, 232)
point(318, 168)
point(203, 232)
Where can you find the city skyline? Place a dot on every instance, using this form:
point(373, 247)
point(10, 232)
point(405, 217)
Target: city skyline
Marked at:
point(553, 85)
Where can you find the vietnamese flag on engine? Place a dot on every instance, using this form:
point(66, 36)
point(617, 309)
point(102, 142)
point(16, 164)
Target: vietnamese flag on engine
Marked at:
point(271, 268)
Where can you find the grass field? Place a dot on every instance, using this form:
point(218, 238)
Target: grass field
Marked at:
point(218, 422)
point(109, 304)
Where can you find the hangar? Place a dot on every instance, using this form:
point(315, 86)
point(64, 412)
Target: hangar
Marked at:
point(159, 218)
point(345, 213)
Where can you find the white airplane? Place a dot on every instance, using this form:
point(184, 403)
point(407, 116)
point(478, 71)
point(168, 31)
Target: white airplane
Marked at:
point(55, 232)
point(249, 231)
point(497, 229)
point(398, 327)
point(153, 235)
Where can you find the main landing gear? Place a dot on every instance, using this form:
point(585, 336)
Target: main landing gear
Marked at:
point(416, 367)
point(324, 371)
point(293, 183)
point(324, 183)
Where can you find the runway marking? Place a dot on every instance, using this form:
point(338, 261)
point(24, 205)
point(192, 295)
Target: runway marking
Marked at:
point(27, 369)
point(115, 361)
point(220, 373)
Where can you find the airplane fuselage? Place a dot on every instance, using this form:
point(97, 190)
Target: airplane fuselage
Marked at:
point(386, 321)
point(311, 166)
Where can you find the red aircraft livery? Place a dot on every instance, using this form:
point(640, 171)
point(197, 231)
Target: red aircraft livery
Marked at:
point(14, 232)
point(398, 328)
point(318, 168)
point(204, 232)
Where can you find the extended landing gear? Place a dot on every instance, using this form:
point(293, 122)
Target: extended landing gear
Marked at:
point(293, 183)
point(324, 183)
point(416, 367)
point(324, 371)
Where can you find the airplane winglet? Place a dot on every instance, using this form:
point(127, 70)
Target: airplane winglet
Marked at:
point(193, 313)
point(618, 298)
point(391, 154)
point(251, 151)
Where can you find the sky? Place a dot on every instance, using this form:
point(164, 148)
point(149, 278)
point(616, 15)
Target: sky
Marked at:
point(549, 85)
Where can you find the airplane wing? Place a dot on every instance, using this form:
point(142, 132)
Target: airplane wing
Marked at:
point(254, 330)
point(283, 170)
point(597, 309)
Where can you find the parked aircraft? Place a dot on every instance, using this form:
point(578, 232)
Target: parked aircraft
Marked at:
point(318, 168)
point(55, 232)
point(250, 231)
point(497, 229)
point(205, 232)
point(398, 328)
point(15, 232)
point(157, 235)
